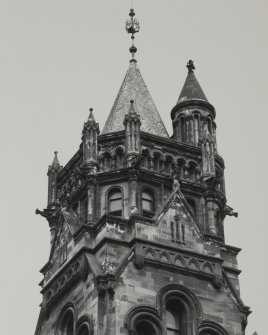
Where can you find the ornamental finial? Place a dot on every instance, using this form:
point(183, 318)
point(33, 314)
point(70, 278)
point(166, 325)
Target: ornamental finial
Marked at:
point(190, 66)
point(132, 27)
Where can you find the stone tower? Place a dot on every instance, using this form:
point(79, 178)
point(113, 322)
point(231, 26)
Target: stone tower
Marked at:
point(136, 219)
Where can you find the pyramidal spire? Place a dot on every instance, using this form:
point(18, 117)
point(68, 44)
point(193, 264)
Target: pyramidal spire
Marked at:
point(91, 123)
point(191, 89)
point(134, 88)
point(55, 164)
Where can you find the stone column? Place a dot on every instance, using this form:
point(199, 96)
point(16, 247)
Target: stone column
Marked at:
point(211, 217)
point(133, 190)
point(91, 205)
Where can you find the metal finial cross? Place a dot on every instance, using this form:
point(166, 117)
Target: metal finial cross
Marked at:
point(132, 27)
point(190, 66)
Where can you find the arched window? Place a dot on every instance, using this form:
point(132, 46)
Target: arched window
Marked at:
point(143, 320)
point(145, 159)
point(156, 162)
point(83, 330)
point(192, 171)
point(115, 202)
point(181, 166)
point(180, 309)
point(208, 327)
point(67, 324)
point(83, 326)
point(168, 163)
point(174, 319)
point(145, 328)
point(107, 161)
point(148, 203)
point(119, 158)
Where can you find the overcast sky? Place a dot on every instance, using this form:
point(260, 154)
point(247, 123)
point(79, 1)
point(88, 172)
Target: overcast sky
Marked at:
point(60, 57)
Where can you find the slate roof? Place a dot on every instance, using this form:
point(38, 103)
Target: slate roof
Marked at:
point(191, 89)
point(134, 88)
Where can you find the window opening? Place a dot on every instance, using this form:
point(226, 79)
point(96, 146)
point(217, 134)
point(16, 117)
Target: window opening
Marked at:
point(172, 321)
point(147, 204)
point(115, 202)
point(145, 328)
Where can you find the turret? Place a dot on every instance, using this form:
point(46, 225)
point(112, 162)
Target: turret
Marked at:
point(90, 143)
point(193, 121)
point(132, 143)
point(193, 112)
point(52, 173)
point(89, 166)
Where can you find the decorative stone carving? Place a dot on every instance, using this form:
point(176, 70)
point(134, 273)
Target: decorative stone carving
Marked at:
point(133, 210)
point(104, 287)
point(138, 261)
point(178, 260)
point(78, 269)
point(217, 282)
point(229, 211)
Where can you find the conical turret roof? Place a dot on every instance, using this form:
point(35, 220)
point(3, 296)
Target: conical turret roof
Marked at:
point(134, 88)
point(191, 89)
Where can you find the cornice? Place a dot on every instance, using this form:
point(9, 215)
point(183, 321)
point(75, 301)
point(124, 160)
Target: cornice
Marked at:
point(231, 249)
point(184, 251)
point(232, 270)
point(193, 103)
point(76, 270)
point(117, 135)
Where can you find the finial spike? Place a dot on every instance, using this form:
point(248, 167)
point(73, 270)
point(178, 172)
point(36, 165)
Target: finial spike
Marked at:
point(132, 109)
point(132, 27)
point(190, 66)
point(91, 116)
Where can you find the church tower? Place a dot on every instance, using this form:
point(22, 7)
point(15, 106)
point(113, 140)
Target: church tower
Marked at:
point(137, 223)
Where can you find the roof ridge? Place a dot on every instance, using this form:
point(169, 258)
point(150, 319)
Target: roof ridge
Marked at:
point(118, 96)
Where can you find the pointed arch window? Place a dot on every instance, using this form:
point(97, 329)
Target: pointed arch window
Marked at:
point(148, 203)
point(115, 203)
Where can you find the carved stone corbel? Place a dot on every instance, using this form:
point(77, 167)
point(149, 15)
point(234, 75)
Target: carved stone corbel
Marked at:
point(138, 261)
point(217, 282)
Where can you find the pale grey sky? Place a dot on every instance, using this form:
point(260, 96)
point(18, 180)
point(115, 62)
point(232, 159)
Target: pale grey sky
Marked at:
point(58, 58)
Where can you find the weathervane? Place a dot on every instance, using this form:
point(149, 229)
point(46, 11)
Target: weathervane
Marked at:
point(132, 27)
